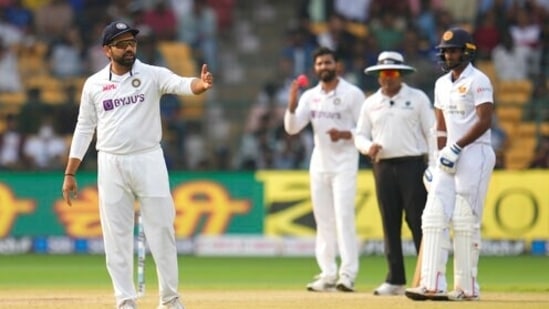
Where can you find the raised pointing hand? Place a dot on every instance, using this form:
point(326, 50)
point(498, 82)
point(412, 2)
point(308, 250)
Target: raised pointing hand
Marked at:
point(206, 77)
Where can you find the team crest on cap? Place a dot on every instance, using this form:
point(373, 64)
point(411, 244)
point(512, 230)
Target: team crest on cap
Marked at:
point(448, 35)
point(136, 82)
point(121, 26)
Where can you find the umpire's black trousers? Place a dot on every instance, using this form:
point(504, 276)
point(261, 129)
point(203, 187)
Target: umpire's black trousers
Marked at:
point(400, 190)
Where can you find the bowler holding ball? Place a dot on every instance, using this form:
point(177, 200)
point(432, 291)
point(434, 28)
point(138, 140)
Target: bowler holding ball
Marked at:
point(303, 81)
point(332, 107)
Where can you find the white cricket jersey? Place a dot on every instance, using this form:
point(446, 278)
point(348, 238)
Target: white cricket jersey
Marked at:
point(337, 109)
point(458, 101)
point(401, 124)
point(125, 109)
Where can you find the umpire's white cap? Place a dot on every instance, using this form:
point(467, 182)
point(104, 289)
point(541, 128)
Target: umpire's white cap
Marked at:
point(389, 60)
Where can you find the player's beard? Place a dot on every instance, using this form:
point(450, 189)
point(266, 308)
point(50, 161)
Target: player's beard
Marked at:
point(450, 65)
point(126, 60)
point(327, 75)
point(455, 64)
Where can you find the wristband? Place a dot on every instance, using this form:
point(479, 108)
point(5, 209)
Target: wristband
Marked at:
point(455, 148)
point(441, 134)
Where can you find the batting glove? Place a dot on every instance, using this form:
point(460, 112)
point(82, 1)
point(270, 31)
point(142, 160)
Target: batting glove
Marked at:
point(447, 158)
point(428, 178)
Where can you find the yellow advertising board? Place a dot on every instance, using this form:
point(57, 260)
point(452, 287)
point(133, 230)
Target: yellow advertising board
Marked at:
point(517, 205)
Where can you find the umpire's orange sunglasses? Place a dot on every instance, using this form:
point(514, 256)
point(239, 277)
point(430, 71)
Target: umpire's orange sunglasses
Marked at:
point(389, 73)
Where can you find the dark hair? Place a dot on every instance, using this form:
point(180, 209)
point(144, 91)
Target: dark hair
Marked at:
point(321, 51)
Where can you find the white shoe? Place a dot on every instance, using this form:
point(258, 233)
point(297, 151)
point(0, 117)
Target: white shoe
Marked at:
point(421, 293)
point(322, 284)
point(389, 289)
point(128, 304)
point(172, 304)
point(345, 284)
point(459, 295)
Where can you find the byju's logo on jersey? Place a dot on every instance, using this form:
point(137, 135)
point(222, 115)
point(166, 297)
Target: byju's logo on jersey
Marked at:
point(325, 114)
point(108, 105)
point(114, 103)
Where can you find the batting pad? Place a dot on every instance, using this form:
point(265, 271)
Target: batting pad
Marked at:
point(466, 247)
point(436, 244)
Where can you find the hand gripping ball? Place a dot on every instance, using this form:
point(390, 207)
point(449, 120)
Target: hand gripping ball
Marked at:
point(302, 80)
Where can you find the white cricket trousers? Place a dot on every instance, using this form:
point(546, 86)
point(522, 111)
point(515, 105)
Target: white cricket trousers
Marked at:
point(123, 179)
point(333, 198)
point(471, 182)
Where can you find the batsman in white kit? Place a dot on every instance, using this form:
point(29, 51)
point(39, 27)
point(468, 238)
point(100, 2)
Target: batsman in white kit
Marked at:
point(122, 103)
point(332, 107)
point(464, 108)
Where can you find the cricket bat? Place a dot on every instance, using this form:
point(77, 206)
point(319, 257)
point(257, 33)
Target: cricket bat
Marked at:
point(417, 274)
point(140, 256)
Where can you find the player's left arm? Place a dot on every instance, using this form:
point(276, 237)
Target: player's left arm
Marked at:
point(440, 128)
point(449, 155)
point(336, 135)
point(484, 113)
point(483, 98)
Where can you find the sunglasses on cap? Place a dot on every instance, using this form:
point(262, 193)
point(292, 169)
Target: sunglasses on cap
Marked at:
point(124, 44)
point(389, 73)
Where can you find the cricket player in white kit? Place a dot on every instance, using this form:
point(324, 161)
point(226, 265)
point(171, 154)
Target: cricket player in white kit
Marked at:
point(332, 107)
point(122, 102)
point(464, 108)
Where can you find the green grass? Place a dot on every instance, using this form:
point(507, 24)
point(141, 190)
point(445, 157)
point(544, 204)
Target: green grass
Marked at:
point(522, 273)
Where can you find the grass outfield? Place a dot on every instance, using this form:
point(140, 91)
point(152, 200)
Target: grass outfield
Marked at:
point(67, 281)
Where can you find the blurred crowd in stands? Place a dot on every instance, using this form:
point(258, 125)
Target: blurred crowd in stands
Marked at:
point(511, 35)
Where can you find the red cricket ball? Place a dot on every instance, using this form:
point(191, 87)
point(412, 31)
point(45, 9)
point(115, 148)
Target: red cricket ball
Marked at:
point(302, 80)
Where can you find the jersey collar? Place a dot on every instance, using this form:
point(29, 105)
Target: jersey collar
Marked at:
point(468, 71)
point(132, 70)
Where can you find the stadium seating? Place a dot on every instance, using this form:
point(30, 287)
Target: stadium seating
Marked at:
point(487, 67)
point(10, 103)
point(358, 29)
point(9, 99)
point(513, 92)
point(509, 113)
point(511, 97)
point(32, 59)
point(522, 144)
point(179, 58)
point(544, 129)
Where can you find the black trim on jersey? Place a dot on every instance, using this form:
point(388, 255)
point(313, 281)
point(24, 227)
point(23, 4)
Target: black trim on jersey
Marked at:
point(110, 72)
